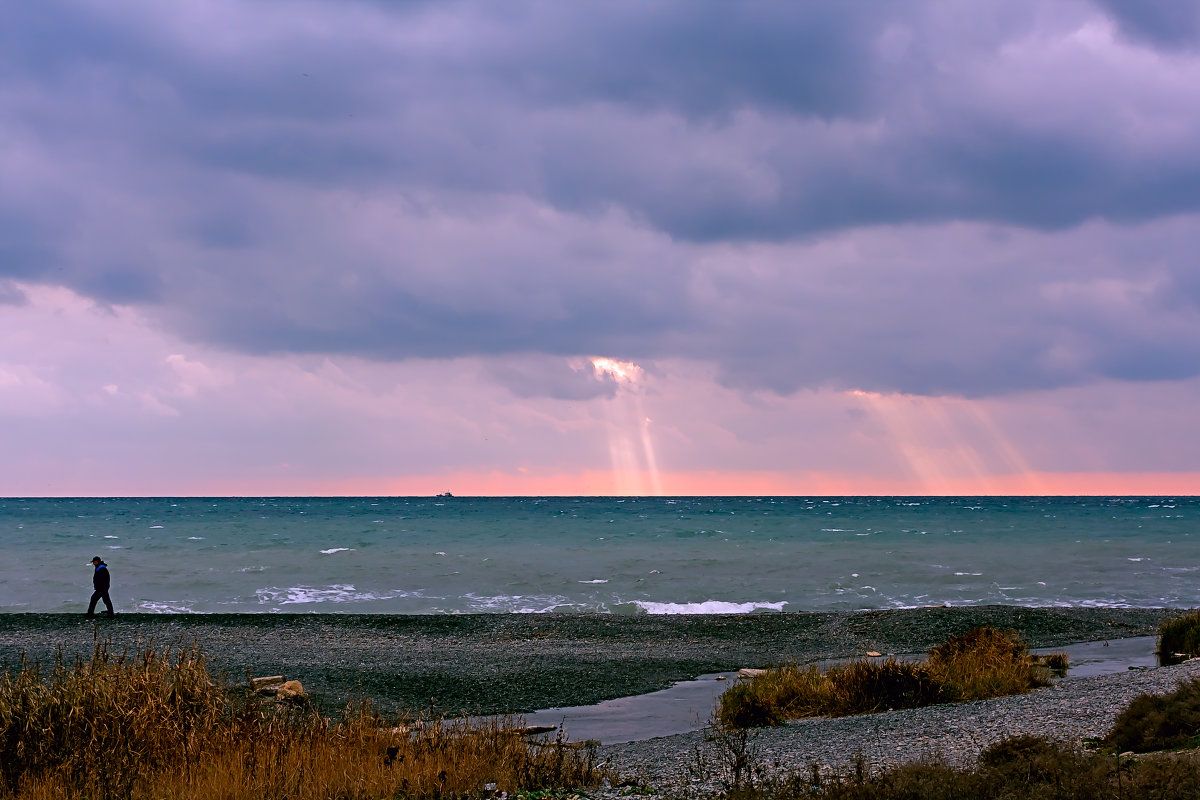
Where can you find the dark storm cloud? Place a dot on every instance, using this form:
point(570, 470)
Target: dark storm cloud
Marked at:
point(1169, 23)
point(626, 179)
point(701, 60)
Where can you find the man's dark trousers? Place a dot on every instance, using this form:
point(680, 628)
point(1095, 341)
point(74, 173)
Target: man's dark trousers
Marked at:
point(99, 595)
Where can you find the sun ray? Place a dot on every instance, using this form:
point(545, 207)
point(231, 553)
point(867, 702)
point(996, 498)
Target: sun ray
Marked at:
point(630, 441)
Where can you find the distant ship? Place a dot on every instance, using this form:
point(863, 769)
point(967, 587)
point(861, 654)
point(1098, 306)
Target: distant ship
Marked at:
point(444, 494)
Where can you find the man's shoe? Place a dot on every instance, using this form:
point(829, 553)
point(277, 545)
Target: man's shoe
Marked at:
point(109, 614)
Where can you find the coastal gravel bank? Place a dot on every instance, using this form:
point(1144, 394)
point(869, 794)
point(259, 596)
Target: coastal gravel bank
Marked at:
point(514, 663)
point(1071, 710)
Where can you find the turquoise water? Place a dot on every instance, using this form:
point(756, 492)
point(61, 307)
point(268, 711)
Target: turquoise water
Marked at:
point(620, 555)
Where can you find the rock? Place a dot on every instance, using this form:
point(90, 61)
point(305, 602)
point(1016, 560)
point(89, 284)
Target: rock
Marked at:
point(873, 654)
point(746, 672)
point(275, 686)
point(290, 690)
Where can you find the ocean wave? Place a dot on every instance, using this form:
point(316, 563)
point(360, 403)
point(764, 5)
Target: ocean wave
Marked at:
point(149, 607)
point(708, 607)
point(516, 604)
point(336, 593)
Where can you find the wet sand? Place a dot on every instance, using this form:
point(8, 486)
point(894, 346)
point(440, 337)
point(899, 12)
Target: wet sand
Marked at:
point(493, 663)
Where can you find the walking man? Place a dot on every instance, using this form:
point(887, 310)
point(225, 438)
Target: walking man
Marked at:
point(100, 584)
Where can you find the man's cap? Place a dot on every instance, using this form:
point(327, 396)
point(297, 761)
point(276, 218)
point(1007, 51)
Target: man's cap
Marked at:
point(97, 558)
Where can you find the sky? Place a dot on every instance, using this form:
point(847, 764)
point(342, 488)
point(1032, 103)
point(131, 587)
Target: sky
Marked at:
point(537, 247)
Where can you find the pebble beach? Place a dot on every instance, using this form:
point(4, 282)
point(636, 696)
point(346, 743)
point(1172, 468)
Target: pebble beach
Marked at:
point(498, 664)
point(1071, 710)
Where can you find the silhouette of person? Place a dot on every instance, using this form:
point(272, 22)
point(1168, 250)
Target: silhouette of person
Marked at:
point(100, 581)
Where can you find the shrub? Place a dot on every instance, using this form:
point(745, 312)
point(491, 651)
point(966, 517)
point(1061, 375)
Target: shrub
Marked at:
point(1179, 637)
point(1023, 768)
point(1056, 661)
point(858, 687)
point(982, 663)
point(862, 687)
point(745, 706)
point(1158, 722)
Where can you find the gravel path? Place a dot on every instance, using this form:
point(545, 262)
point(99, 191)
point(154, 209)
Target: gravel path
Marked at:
point(1072, 709)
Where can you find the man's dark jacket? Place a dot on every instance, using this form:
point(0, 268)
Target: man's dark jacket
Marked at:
point(100, 578)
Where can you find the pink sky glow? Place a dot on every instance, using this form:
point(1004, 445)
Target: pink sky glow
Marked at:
point(709, 484)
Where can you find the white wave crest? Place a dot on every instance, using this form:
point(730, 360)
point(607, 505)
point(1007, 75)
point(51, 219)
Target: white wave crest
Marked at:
point(708, 607)
point(163, 608)
point(336, 593)
point(336, 550)
point(516, 604)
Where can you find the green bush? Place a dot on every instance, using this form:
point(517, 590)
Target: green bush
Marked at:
point(1179, 636)
point(1158, 722)
point(743, 707)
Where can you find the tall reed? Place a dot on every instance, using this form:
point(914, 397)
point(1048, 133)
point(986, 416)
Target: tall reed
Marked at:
point(158, 725)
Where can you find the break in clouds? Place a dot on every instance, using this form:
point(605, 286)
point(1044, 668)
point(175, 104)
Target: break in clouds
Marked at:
point(928, 198)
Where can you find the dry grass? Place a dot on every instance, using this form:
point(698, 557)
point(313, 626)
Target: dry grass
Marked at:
point(157, 725)
point(985, 663)
point(1057, 662)
point(982, 663)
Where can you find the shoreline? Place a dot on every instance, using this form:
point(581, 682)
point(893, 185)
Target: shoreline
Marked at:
point(517, 663)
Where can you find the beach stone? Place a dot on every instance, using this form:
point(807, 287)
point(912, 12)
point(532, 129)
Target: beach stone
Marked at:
point(747, 672)
point(290, 690)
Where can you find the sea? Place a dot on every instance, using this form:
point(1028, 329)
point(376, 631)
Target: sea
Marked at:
point(608, 555)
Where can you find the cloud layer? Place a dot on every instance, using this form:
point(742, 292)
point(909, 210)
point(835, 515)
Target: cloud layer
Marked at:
point(914, 198)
